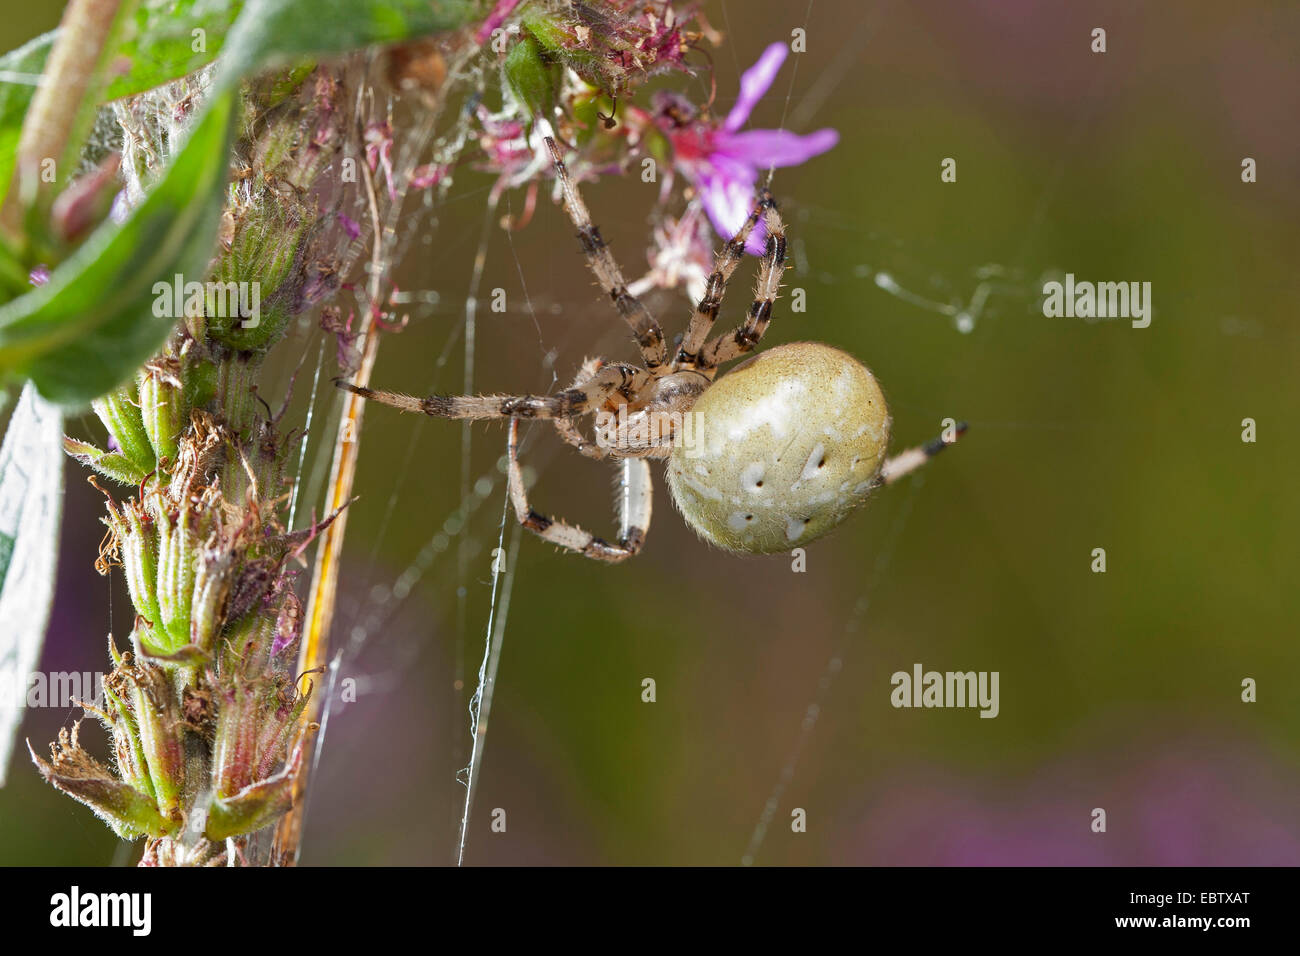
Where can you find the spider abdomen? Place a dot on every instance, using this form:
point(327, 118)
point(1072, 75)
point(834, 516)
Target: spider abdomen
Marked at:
point(781, 449)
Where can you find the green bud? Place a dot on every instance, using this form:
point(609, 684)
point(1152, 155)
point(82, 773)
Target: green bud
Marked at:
point(200, 380)
point(177, 553)
point(120, 413)
point(281, 234)
point(163, 407)
point(234, 752)
point(262, 255)
point(281, 721)
point(113, 653)
point(138, 539)
point(212, 579)
point(531, 77)
point(247, 648)
point(125, 809)
point(131, 764)
point(551, 33)
point(234, 392)
point(257, 805)
point(162, 735)
point(110, 464)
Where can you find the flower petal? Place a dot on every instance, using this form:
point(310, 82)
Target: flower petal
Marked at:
point(727, 191)
point(774, 147)
point(754, 83)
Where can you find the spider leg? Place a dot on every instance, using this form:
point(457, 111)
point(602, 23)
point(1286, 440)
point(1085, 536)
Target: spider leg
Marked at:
point(567, 430)
point(736, 343)
point(571, 435)
point(566, 404)
point(706, 310)
point(908, 461)
point(649, 337)
point(633, 507)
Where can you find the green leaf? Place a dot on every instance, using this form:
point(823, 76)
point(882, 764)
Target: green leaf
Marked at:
point(120, 411)
point(20, 70)
point(257, 805)
point(158, 45)
point(92, 325)
point(531, 77)
point(14, 279)
point(547, 28)
point(129, 812)
point(164, 45)
point(272, 32)
point(110, 464)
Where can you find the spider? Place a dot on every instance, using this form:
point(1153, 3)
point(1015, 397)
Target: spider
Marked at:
point(771, 455)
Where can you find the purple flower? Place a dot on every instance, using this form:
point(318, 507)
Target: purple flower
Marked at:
point(349, 226)
point(498, 16)
point(724, 163)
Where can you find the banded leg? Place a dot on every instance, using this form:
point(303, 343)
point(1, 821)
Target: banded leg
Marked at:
point(569, 431)
point(908, 461)
point(645, 330)
point(609, 380)
point(736, 343)
point(572, 436)
point(706, 310)
point(634, 502)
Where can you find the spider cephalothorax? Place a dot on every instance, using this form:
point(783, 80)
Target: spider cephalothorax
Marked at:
point(771, 455)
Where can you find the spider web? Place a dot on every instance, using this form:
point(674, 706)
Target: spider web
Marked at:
point(384, 601)
point(983, 292)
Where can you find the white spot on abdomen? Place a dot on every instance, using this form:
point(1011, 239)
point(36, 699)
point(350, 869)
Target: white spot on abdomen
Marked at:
point(814, 462)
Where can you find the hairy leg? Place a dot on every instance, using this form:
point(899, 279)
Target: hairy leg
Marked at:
point(908, 461)
point(571, 402)
point(741, 340)
point(706, 311)
point(634, 511)
point(645, 330)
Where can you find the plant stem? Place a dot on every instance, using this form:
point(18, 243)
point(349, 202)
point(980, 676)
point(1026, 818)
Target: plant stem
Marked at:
point(59, 106)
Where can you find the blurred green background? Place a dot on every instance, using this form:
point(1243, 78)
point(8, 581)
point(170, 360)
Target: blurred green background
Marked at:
point(1118, 690)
